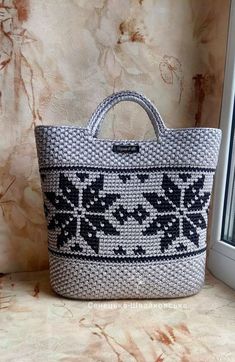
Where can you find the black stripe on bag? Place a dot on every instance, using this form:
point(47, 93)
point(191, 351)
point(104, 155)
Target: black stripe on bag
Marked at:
point(125, 259)
point(139, 169)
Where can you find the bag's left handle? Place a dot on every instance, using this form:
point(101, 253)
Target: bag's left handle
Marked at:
point(112, 100)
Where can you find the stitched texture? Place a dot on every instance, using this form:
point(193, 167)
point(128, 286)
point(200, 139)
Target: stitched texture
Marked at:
point(126, 225)
point(119, 281)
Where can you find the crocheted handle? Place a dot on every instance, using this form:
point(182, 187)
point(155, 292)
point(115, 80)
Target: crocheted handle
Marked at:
point(112, 100)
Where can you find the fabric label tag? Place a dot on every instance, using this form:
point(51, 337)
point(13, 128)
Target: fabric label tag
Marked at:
point(126, 148)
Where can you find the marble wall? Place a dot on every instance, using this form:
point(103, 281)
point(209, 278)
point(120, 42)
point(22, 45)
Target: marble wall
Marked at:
point(58, 59)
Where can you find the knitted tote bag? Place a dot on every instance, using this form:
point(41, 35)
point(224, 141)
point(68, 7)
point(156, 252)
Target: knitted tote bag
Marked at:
point(126, 219)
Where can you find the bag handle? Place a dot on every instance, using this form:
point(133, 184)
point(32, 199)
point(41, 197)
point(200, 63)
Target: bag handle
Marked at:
point(109, 102)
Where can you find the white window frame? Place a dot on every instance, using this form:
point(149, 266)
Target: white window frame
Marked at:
point(221, 258)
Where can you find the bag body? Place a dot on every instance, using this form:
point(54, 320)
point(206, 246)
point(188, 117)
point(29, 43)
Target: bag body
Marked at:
point(126, 219)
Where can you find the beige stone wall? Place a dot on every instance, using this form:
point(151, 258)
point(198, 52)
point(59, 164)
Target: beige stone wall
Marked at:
point(59, 59)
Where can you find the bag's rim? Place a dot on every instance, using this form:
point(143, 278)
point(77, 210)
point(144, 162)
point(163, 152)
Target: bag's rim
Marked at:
point(151, 141)
point(196, 130)
point(86, 129)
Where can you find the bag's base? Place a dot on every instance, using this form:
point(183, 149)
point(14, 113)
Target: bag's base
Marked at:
point(101, 280)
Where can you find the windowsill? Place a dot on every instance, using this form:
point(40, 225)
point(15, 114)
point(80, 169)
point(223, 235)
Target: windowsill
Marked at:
point(37, 325)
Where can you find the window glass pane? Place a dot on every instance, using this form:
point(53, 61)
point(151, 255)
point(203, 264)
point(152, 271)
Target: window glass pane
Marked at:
point(229, 209)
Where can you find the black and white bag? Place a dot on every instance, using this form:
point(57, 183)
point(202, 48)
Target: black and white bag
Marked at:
point(126, 219)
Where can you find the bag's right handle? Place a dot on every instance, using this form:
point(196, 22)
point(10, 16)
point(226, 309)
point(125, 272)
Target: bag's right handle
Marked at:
point(112, 100)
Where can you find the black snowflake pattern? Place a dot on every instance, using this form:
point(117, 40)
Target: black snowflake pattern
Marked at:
point(63, 221)
point(80, 206)
point(91, 211)
point(178, 212)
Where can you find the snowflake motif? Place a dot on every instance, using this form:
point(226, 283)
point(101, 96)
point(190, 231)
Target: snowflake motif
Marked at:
point(180, 213)
point(91, 211)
